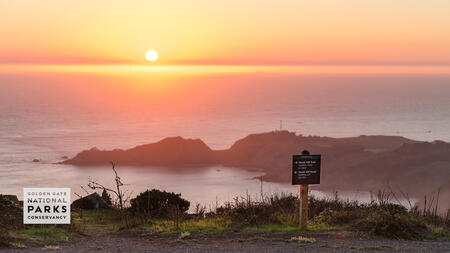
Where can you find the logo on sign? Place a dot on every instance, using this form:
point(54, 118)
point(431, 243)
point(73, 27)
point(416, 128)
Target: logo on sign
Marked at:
point(46, 205)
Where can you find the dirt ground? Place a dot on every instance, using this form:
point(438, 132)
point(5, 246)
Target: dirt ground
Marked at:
point(132, 241)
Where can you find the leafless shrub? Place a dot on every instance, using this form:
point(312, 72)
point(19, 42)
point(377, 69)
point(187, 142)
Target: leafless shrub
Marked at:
point(199, 210)
point(384, 197)
point(121, 196)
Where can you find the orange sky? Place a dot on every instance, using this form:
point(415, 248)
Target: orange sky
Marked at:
point(233, 32)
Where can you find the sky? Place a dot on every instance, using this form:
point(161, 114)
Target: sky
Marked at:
point(233, 32)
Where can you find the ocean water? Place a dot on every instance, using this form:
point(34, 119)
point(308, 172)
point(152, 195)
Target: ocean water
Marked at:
point(50, 115)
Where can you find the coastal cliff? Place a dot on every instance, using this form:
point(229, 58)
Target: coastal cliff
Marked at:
point(172, 151)
point(352, 163)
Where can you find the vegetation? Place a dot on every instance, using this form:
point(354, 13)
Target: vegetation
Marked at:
point(166, 213)
point(106, 198)
point(118, 192)
point(276, 209)
point(37, 235)
point(381, 219)
point(11, 213)
point(274, 214)
point(159, 204)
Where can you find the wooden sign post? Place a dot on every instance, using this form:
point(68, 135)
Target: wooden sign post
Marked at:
point(303, 219)
point(305, 171)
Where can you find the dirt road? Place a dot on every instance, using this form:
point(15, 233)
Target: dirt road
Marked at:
point(229, 242)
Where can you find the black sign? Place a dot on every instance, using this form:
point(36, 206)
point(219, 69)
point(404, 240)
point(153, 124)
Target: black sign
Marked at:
point(306, 169)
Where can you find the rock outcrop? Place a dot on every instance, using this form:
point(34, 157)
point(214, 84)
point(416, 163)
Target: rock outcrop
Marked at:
point(92, 201)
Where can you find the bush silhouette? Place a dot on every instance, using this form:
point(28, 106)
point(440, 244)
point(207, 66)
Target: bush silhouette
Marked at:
point(159, 204)
point(106, 197)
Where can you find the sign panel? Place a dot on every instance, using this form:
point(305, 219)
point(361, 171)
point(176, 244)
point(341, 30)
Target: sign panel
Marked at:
point(306, 169)
point(46, 205)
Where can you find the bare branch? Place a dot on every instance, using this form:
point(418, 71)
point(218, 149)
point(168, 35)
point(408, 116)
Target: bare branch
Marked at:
point(120, 199)
point(84, 189)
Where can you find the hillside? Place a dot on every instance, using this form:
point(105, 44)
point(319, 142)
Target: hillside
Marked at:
point(354, 163)
point(172, 151)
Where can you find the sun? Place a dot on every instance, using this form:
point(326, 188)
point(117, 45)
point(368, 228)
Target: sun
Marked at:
point(151, 55)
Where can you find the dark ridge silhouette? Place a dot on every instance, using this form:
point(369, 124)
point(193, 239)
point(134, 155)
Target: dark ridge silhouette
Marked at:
point(354, 163)
point(172, 151)
point(268, 151)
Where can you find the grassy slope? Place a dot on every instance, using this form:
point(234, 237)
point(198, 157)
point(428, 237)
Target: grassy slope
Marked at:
point(247, 220)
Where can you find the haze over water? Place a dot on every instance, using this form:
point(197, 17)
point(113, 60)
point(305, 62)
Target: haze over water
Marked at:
point(50, 114)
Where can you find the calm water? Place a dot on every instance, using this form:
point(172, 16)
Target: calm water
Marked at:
point(47, 116)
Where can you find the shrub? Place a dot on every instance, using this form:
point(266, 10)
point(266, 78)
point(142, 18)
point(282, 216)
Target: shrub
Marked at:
point(247, 214)
point(159, 204)
point(5, 239)
point(386, 219)
point(394, 209)
point(335, 217)
point(386, 223)
point(277, 209)
point(11, 212)
point(317, 206)
point(106, 197)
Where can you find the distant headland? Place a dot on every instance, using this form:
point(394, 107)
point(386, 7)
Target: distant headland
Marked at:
point(352, 163)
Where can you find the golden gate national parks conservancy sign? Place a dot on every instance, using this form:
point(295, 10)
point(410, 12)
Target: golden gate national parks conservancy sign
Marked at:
point(46, 205)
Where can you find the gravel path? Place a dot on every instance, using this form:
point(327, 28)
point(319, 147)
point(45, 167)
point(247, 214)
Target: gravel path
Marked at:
point(226, 243)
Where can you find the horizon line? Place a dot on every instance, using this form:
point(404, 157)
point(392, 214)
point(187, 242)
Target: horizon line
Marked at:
point(163, 68)
point(182, 63)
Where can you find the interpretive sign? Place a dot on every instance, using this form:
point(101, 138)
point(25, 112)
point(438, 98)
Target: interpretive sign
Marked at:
point(305, 169)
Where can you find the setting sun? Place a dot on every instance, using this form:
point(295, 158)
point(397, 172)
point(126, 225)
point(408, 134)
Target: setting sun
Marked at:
point(151, 55)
